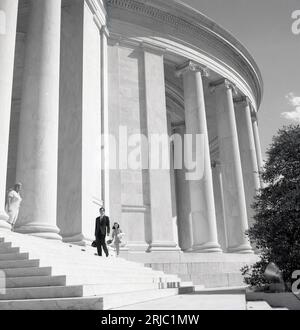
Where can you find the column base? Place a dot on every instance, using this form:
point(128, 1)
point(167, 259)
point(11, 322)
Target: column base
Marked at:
point(242, 249)
point(39, 230)
point(78, 239)
point(189, 250)
point(137, 246)
point(210, 247)
point(4, 224)
point(163, 247)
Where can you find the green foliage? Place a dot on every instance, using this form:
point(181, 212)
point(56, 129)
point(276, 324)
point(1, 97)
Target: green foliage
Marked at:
point(276, 231)
point(253, 276)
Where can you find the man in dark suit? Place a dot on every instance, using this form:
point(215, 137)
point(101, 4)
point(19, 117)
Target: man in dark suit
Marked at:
point(102, 229)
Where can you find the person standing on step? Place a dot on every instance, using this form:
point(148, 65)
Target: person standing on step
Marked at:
point(102, 229)
point(13, 204)
point(116, 236)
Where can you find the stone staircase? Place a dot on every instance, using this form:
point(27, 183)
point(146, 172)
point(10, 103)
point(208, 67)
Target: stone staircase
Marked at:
point(212, 270)
point(45, 274)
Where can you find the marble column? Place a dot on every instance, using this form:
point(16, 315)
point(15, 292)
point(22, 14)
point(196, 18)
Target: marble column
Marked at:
point(9, 8)
point(185, 229)
point(233, 186)
point(203, 215)
point(105, 122)
point(248, 153)
point(79, 150)
point(219, 203)
point(162, 233)
point(38, 131)
point(173, 188)
point(257, 145)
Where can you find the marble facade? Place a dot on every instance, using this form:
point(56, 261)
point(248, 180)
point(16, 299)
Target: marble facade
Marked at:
point(76, 71)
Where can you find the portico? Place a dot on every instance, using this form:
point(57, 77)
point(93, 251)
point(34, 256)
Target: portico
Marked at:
point(85, 68)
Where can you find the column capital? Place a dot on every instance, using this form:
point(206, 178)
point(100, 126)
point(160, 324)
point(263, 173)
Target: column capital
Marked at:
point(243, 100)
point(225, 83)
point(193, 67)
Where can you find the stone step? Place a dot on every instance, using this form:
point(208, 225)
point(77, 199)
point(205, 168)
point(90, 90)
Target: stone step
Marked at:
point(186, 288)
point(258, 305)
point(42, 292)
point(77, 275)
point(109, 278)
point(111, 288)
point(119, 300)
point(10, 250)
point(200, 268)
point(90, 269)
point(19, 264)
point(88, 261)
point(119, 278)
point(215, 280)
point(94, 263)
point(219, 291)
point(87, 276)
point(35, 281)
point(191, 303)
point(280, 309)
point(14, 256)
point(4, 246)
point(32, 271)
point(74, 269)
point(83, 303)
point(75, 272)
point(78, 291)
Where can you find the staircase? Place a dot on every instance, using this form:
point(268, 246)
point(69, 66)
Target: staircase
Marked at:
point(211, 270)
point(45, 274)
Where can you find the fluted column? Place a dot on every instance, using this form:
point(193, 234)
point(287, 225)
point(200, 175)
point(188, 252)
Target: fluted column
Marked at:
point(203, 213)
point(257, 146)
point(233, 186)
point(38, 132)
point(248, 153)
point(9, 8)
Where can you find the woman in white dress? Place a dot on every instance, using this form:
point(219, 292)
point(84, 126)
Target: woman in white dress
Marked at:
point(13, 203)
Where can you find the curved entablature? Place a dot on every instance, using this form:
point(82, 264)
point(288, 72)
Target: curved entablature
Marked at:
point(186, 34)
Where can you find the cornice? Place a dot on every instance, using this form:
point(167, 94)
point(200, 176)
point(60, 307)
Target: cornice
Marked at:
point(146, 46)
point(187, 20)
point(97, 7)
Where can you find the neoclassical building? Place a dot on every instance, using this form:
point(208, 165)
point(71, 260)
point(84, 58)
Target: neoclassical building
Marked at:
point(74, 71)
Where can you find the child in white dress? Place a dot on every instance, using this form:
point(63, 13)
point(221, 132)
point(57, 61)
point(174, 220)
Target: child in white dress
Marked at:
point(117, 236)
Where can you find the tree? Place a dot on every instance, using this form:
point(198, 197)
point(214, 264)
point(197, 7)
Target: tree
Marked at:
point(276, 229)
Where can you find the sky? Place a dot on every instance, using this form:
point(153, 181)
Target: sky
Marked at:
point(264, 27)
